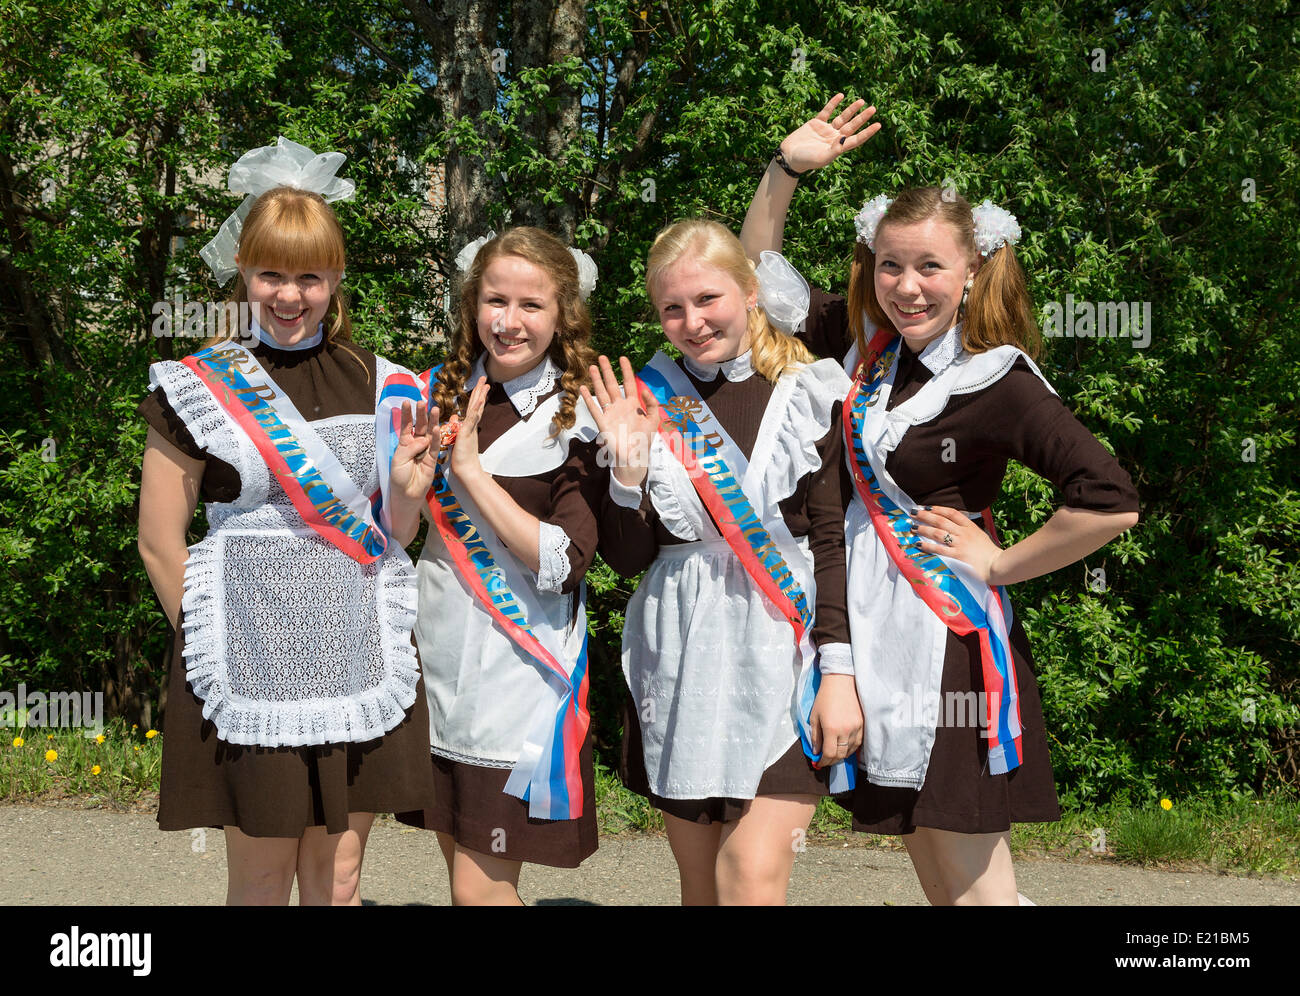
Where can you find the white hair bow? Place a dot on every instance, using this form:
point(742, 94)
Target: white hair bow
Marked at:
point(783, 293)
point(285, 164)
point(586, 265)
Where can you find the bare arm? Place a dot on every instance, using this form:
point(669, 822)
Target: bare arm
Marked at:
point(816, 143)
point(1068, 536)
point(169, 494)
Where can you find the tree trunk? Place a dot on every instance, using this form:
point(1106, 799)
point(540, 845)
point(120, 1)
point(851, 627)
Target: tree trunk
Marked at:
point(462, 34)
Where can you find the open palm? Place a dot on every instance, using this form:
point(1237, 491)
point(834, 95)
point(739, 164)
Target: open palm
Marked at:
point(821, 139)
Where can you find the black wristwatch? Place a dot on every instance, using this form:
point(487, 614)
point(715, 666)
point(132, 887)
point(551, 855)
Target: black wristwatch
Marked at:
point(779, 159)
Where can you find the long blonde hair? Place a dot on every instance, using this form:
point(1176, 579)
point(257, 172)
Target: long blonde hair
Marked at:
point(715, 245)
point(998, 309)
point(570, 349)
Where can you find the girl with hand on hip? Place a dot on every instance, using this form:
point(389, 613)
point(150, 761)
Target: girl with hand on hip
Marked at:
point(939, 336)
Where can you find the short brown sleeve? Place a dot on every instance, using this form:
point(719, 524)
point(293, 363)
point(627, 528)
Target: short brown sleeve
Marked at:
point(220, 481)
point(162, 418)
point(1029, 423)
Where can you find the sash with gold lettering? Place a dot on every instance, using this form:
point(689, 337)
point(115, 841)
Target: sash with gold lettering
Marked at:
point(548, 774)
point(946, 585)
point(316, 483)
point(717, 467)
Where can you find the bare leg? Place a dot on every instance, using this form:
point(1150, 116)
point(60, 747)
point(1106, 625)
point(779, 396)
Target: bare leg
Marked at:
point(695, 846)
point(963, 869)
point(479, 879)
point(329, 864)
point(259, 870)
point(757, 851)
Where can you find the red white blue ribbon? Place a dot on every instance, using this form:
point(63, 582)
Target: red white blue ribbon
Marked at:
point(946, 586)
point(715, 466)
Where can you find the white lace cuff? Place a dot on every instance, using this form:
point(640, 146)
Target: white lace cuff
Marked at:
point(835, 658)
point(623, 495)
point(552, 557)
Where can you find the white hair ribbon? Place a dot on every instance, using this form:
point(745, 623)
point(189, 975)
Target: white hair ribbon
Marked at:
point(586, 265)
point(783, 293)
point(285, 164)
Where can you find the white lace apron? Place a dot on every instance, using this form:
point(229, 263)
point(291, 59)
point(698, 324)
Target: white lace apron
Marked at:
point(899, 643)
point(288, 641)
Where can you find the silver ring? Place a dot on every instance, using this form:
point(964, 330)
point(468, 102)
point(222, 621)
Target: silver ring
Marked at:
point(947, 539)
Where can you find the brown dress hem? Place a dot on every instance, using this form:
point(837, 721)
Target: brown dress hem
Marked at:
point(500, 825)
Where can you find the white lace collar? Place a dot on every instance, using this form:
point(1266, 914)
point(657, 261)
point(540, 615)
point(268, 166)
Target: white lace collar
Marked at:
point(308, 343)
point(525, 390)
point(939, 355)
point(735, 370)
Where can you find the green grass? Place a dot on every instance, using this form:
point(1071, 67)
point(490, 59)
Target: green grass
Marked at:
point(1247, 835)
point(128, 763)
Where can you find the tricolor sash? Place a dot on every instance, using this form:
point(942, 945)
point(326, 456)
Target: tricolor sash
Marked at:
point(717, 467)
point(320, 489)
point(947, 586)
point(548, 774)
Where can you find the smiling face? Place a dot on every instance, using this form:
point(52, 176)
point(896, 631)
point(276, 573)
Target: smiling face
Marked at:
point(290, 303)
point(703, 311)
point(518, 311)
point(920, 272)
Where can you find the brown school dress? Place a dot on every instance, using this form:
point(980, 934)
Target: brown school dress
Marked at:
point(279, 792)
point(1016, 418)
point(469, 801)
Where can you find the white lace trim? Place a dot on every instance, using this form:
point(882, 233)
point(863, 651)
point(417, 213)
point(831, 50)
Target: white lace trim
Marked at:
point(835, 658)
point(552, 557)
point(212, 429)
point(272, 673)
point(735, 370)
point(805, 421)
point(940, 354)
point(287, 640)
point(525, 390)
point(479, 762)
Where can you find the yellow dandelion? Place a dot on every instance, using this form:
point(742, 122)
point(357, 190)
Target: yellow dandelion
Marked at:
point(151, 734)
point(18, 741)
point(1166, 805)
point(51, 756)
point(137, 748)
point(49, 736)
point(134, 726)
point(96, 770)
point(100, 738)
